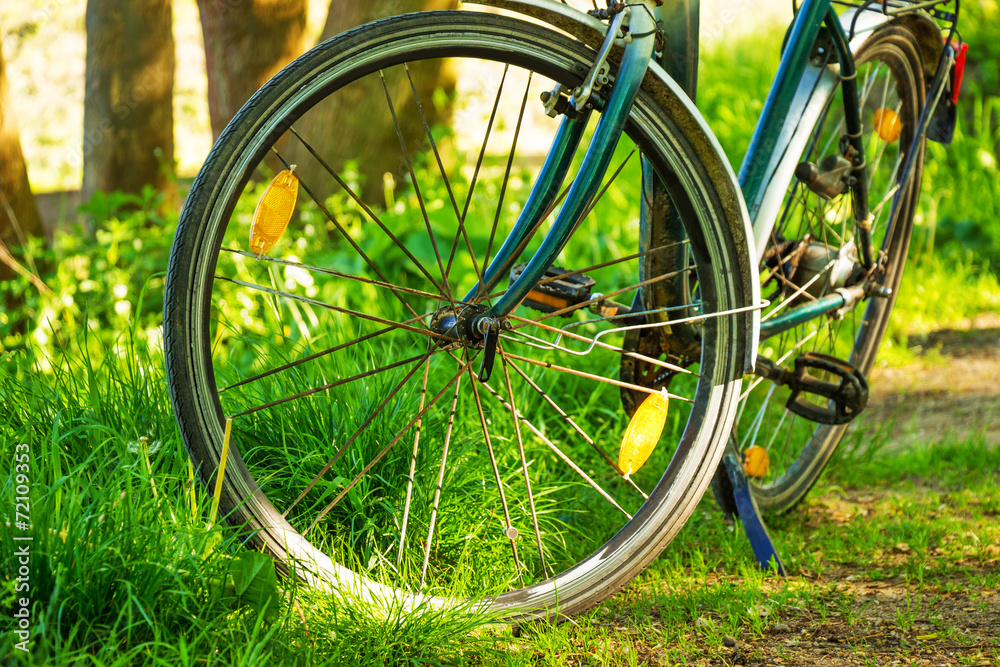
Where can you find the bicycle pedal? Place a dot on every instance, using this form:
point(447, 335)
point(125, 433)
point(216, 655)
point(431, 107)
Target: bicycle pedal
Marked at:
point(847, 396)
point(556, 290)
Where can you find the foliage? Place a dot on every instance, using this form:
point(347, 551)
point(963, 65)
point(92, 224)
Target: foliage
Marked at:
point(104, 282)
point(960, 199)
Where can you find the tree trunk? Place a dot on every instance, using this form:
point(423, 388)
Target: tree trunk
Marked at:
point(128, 118)
point(19, 217)
point(364, 130)
point(246, 43)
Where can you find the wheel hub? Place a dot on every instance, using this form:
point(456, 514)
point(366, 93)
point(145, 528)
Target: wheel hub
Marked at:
point(459, 323)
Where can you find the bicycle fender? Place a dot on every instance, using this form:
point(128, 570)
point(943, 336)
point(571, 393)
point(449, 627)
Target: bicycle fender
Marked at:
point(923, 27)
point(670, 95)
point(809, 101)
point(588, 29)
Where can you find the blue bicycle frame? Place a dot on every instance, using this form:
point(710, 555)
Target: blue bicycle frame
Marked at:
point(678, 22)
point(638, 51)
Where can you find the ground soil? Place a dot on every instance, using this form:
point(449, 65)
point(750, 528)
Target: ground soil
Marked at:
point(951, 390)
point(890, 622)
point(953, 630)
point(883, 621)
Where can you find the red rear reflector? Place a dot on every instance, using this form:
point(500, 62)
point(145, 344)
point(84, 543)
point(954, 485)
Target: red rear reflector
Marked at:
point(957, 72)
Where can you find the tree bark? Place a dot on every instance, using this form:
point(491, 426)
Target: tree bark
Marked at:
point(19, 217)
point(364, 129)
point(246, 43)
point(128, 117)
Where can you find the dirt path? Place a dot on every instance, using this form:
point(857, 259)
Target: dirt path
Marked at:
point(860, 621)
point(951, 391)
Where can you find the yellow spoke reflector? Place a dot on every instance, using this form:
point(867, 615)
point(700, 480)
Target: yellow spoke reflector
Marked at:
point(888, 125)
point(643, 433)
point(274, 210)
point(756, 461)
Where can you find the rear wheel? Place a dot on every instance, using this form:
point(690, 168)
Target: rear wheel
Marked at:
point(811, 253)
point(365, 451)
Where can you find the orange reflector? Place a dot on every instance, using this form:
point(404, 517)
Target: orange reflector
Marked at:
point(547, 300)
point(274, 210)
point(756, 461)
point(643, 433)
point(888, 125)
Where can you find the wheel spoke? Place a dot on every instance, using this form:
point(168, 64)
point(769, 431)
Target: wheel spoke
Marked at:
point(786, 450)
point(604, 189)
point(440, 482)
point(777, 429)
point(413, 467)
point(311, 357)
point(870, 78)
point(368, 211)
point(569, 420)
point(475, 180)
point(777, 272)
point(416, 188)
point(877, 210)
point(881, 149)
point(506, 179)
point(558, 452)
point(496, 476)
point(330, 306)
point(336, 274)
point(816, 224)
point(459, 215)
point(587, 211)
point(627, 258)
point(759, 418)
point(524, 459)
point(331, 385)
point(385, 450)
point(430, 139)
point(378, 410)
point(801, 290)
point(596, 378)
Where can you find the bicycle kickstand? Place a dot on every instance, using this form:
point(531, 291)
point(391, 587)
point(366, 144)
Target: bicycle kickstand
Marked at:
point(732, 492)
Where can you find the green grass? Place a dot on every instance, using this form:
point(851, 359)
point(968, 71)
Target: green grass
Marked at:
point(124, 570)
point(129, 577)
point(123, 576)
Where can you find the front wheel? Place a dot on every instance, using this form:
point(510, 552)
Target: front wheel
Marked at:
point(365, 452)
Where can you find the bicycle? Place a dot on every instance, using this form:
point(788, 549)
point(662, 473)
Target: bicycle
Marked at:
point(349, 394)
